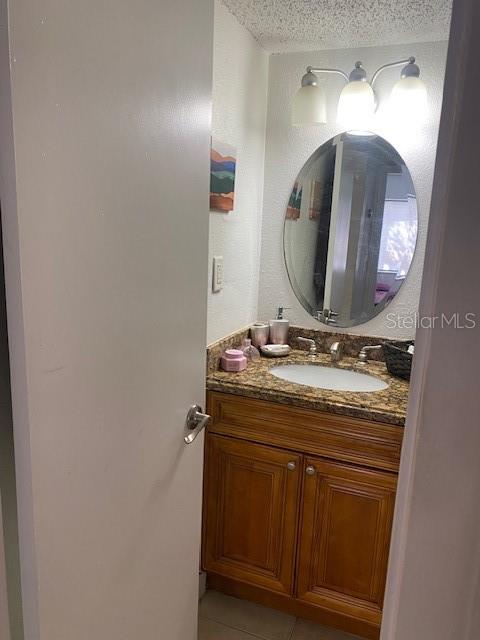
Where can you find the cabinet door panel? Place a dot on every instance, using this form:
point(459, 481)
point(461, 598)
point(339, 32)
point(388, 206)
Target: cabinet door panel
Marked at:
point(345, 537)
point(251, 512)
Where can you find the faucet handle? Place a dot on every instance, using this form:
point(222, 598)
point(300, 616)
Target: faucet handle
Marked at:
point(363, 355)
point(328, 316)
point(313, 347)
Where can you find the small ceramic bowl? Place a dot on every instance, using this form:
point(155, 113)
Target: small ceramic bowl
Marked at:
point(275, 350)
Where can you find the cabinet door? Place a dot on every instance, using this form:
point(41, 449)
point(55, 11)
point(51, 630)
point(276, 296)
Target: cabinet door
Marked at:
point(346, 524)
point(250, 517)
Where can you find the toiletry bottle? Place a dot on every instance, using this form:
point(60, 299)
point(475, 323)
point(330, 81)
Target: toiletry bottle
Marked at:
point(279, 328)
point(259, 333)
point(249, 351)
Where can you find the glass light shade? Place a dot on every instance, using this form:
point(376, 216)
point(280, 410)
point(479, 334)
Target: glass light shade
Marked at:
point(309, 106)
point(356, 106)
point(408, 99)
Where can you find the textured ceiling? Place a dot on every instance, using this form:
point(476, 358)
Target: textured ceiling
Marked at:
point(302, 25)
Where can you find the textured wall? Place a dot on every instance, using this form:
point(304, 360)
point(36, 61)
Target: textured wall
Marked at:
point(287, 148)
point(240, 79)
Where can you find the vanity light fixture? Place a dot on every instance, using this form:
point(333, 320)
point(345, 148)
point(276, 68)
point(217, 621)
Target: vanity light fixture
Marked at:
point(310, 104)
point(409, 94)
point(357, 103)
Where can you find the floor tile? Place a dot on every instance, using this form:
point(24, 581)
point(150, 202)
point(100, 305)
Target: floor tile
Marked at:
point(306, 630)
point(211, 630)
point(263, 622)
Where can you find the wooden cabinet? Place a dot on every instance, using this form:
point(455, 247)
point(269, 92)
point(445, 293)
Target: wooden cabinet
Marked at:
point(345, 536)
point(252, 497)
point(307, 534)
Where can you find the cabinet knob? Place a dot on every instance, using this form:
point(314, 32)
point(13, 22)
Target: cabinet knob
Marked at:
point(310, 471)
point(291, 466)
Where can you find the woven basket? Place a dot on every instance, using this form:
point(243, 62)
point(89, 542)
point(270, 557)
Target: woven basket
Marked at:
point(397, 358)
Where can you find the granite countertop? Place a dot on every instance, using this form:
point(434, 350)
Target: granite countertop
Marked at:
point(387, 406)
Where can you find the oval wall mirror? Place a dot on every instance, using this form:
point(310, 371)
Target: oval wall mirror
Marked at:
point(350, 229)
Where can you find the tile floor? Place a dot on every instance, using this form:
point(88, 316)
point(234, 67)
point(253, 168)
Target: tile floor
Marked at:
point(222, 617)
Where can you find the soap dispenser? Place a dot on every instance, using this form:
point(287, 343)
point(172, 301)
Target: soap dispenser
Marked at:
point(279, 328)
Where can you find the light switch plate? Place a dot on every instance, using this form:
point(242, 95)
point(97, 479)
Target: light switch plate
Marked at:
point(217, 274)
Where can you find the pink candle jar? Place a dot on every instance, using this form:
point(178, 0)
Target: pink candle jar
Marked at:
point(233, 360)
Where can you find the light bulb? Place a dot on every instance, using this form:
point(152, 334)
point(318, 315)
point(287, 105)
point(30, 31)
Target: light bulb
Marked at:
point(356, 106)
point(408, 100)
point(309, 106)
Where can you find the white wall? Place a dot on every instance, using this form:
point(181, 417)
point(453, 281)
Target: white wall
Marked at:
point(287, 149)
point(240, 80)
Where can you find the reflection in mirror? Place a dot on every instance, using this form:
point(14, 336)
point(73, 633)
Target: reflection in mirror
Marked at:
point(350, 229)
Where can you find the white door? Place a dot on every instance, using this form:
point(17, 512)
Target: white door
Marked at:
point(104, 191)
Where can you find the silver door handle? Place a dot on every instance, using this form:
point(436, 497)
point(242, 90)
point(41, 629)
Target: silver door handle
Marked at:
point(196, 421)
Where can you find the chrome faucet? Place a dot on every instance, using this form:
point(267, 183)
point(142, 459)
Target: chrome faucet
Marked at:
point(312, 352)
point(336, 351)
point(363, 355)
point(328, 316)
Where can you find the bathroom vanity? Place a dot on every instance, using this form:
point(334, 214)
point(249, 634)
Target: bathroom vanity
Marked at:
point(300, 480)
point(299, 492)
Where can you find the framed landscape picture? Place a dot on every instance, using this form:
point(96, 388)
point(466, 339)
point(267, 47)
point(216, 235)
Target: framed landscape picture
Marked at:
point(223, 161)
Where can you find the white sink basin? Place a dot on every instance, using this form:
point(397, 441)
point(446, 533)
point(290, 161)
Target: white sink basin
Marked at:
point(313, 375)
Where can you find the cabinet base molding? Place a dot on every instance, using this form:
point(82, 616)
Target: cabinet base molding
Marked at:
point(292, 606)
